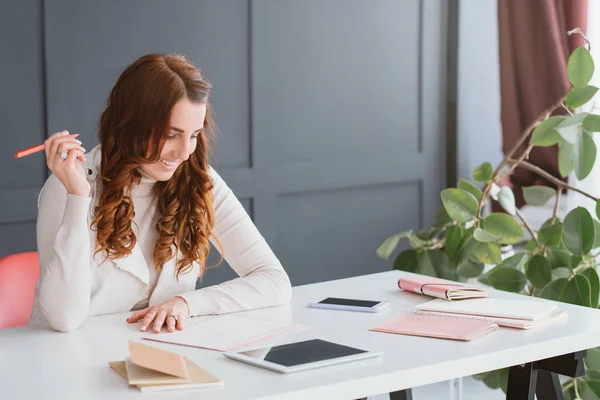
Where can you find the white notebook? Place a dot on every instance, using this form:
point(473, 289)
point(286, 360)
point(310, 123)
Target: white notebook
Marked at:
point(531, 310)
point(227, 332)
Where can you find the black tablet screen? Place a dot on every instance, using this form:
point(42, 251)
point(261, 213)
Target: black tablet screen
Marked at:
point(305, 352)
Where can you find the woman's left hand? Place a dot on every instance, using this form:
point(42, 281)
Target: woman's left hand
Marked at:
point(172, 312)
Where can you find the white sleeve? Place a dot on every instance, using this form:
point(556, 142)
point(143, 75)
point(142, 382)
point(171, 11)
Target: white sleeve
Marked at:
point(262, 283)
point(63, 242)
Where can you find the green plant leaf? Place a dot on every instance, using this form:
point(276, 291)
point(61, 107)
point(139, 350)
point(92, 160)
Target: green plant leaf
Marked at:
point(454, 235)
point(591, 123)
point(492, 379)
point(551, 235)
point(592, 360)
point(592, 276)
point(571, 126)
point(407, 260)
point(566, 159)
point(430, 261)
point(539, 271)
point(488, 253)
point(592, 373)
point(545, 134)
point(517, 261)
point(531, 245)
point(575, 260)
point(461, 205)
point(447, 272)
point(503, 226)
point(442, 218)
point(466, 248)
point(483, 236)
point(481, 376)
point(579, 232)
point(598, 208)
point(469, 187)
point(538, 195)
point(471, 269)
point(559, 257)
point(504, 380)
point(585, 155)
point(425, 265)
point(580, 67)
point(554, 289)
point(506, 198)
point(429, 234)
point(589, 389)
point(597, 230)
point(388, 246)
point(561, 272)
point(510, 280)
point(579, 96)
point(483, 173)
point(577, 291)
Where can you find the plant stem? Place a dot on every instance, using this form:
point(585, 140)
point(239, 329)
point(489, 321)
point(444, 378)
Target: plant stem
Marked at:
point(566, 108)
point(556, 203)
point(517, 161)
point(544, 115)
point(527, 226)
point(551, 178)
point(577, 396)
point(579, 31)
point(568, 385)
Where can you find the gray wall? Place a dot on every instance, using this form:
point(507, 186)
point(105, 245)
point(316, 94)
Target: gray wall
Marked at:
point(478, 116)
point(331, 112)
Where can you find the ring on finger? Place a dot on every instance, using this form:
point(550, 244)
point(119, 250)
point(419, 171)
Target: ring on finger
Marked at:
point(172, 316)
point(63, 155)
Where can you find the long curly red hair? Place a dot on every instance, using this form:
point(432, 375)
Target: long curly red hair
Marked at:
point(133, 130)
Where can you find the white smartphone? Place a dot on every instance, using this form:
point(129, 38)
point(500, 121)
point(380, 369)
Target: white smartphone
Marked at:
point(335, 303)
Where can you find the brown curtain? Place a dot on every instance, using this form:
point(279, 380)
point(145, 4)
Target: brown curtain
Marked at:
point(534, 49)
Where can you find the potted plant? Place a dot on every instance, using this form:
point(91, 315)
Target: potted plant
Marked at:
point(559, 262)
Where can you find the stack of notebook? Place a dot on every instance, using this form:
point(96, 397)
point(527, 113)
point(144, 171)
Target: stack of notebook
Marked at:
point(520, 314)
point(151, 369)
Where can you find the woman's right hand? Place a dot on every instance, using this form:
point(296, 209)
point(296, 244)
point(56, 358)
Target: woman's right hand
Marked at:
point(69, 171)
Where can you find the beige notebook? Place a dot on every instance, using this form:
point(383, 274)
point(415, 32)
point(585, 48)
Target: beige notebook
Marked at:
point(161, 370)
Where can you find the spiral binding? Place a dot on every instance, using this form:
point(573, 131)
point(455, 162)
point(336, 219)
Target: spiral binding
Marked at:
point(448, 316)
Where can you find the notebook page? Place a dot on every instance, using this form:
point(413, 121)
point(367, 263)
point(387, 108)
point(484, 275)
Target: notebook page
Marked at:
point(227, 332)
point(438, 326)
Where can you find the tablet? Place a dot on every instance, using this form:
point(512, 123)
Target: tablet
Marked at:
point(301, 356)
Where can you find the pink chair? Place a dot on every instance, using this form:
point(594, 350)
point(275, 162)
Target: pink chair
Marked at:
point(18, 276)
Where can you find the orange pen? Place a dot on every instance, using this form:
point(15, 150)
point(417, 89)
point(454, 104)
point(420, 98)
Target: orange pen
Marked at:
point(33, 149)
point(29, 150)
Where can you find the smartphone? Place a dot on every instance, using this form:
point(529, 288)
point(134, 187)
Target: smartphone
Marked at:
point(351, 305)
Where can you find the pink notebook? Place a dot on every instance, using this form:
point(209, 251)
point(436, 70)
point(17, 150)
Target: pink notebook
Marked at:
point(437, 326)
point(434, 287)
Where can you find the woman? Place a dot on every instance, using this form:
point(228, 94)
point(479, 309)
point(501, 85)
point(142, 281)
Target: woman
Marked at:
point(128, 226)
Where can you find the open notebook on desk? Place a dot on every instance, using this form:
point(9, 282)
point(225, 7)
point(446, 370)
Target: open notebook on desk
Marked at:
point(437, 326)
point(228, 332)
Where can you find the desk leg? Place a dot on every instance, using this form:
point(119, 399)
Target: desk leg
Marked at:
point(405, 394)
point(548, 386)
point(521, 382)
point(541, 377)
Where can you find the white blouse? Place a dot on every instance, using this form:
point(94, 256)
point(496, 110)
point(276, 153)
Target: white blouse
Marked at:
point(75, 283)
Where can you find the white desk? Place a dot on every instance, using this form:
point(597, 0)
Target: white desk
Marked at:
point(42, 364)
